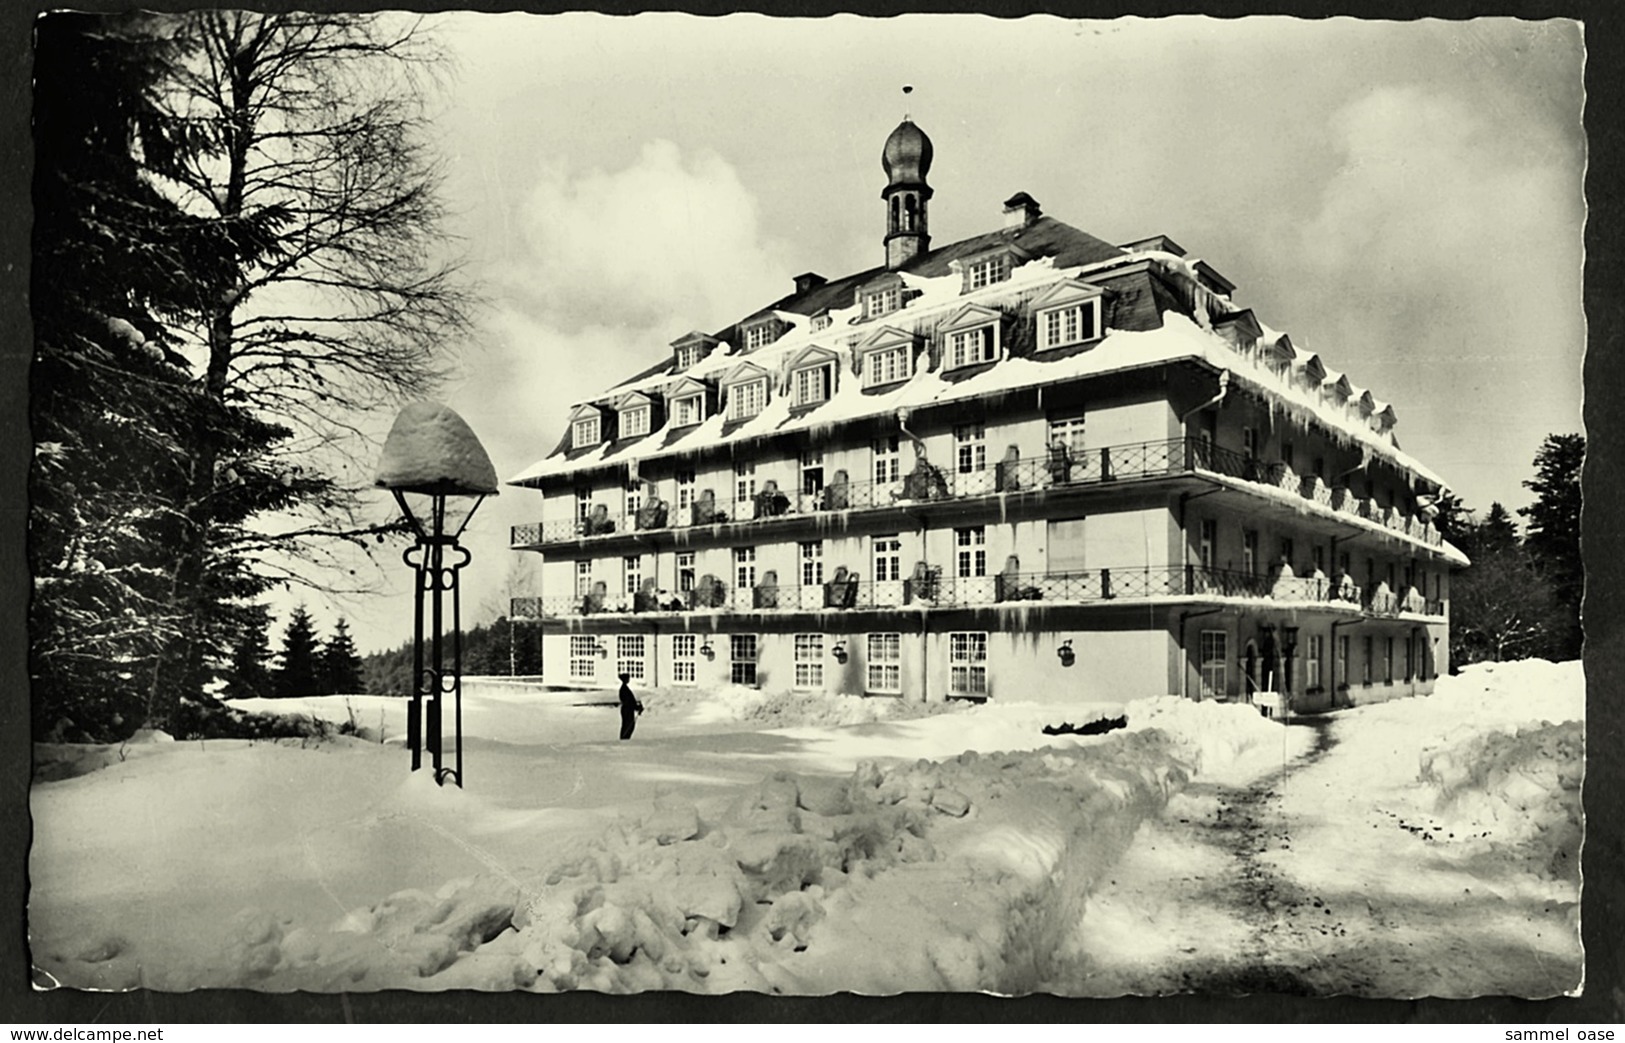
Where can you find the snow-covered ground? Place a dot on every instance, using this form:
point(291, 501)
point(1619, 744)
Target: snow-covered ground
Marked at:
point(803, 845)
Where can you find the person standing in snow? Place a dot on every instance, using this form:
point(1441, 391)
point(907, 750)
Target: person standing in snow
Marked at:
point(630, 707)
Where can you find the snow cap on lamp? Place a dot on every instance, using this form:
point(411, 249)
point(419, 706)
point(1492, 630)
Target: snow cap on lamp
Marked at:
point(431, 449)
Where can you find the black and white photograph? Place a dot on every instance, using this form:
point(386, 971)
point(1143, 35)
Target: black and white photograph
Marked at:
point(572, 503)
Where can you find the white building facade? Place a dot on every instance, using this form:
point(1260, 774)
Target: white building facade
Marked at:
point(1030, 464)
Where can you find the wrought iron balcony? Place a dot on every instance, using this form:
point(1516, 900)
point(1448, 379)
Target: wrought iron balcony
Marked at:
point(1056, 469)
point(928, 588)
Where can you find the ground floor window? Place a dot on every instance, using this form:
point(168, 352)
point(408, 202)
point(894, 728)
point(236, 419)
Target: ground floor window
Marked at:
point(1215, 660)
point(683, 647)
point(629, 657)
point(742, 656)
point(885, 664)
point(1311, 666)
point(1410, 658)
point(1343, 660)
point(967, 664)
point(583, 657)
point(1388, 661)
point(1370, 655)
point(809, 661)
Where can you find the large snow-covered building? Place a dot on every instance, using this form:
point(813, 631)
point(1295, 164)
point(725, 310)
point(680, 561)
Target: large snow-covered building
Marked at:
point(1027, 464)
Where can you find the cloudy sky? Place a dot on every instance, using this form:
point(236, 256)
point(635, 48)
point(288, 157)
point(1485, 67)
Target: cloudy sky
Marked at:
point(1403, 198)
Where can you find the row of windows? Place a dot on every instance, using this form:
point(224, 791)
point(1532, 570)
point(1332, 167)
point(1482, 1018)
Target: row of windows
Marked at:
point(1071, 324)
point(1215, 660)
point(1391, 574)
point(967, 660)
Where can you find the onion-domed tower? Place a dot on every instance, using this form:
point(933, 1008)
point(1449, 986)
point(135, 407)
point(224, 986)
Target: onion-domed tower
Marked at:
point(906, 160)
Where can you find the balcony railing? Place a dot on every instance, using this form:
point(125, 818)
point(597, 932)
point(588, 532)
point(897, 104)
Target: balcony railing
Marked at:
point(927, 588)
point(928, 483)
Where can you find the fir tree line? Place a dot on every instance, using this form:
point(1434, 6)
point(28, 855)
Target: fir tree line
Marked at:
point(306, 665)
point(506, 648)
point(1521, 596)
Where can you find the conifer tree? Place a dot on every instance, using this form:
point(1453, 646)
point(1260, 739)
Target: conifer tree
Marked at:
point(298, 674)
point(248, 676)
point(1554, 529)
point(340, 665)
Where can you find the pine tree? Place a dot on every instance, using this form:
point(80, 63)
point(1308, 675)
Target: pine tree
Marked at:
point(1554, 528)
point(108, 397)
point(298, 674)
point(248, 677)
point(340, 665)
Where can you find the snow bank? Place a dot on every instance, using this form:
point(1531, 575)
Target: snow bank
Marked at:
point(1225, 743)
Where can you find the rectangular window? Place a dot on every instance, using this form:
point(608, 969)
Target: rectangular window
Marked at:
point(1066, 544)
point(887, 461)
point(583, 503)
point(635, 422)
point(987, 272)
point(812, 472)
point(1410, 658)
point(744, 480)
point(631, 573)
point(1286, 550)
point(970, 558)
point(1370, 655)
point(1320, 558)
point(685, 570)
point(1311, 666)
point(809, 661)
point(970, 448)
point(886, 366)
point(1067, 433)
point(629, 658)
point(884, 671)
point(967, 664)
point(1215, 664)
point(821, 321)
point(689, 355)
point(888, 555)
point(1249, 552)
point(583, 578)
point(760, 336)
point(1210, 538)
point(1388, 661)
point(685, 496)
point(1343, 660)
point(742, 659)
point(881, 301)
point(812, 563)
point(747, 399)
point(812, 385)
point(585, 432)
point(690, 409)
point(968, 347)
point(634, 499)
point(744, 567)
point(683, 648)
point(583, 657)
point(1075, 324)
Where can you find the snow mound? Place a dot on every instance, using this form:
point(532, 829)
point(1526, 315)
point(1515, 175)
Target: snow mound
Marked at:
point(1227, 743)
point(738, 704)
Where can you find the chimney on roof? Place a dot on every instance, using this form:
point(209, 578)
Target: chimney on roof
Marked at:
point(809, 281)
point(1021, 210)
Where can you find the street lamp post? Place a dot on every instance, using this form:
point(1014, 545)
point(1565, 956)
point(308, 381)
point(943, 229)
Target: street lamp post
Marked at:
point(439, 474)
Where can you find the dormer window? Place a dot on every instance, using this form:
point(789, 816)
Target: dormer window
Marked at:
point(635, 422)
point(814, 384)
point(886, 366)
point(968, 347)
point(880, 302)
point(747, 398)
point(761, 334)
point(690, 350)
point(687, 410)
point(690, 355)
point(971, 336)
point(987, 271)
point(821, 321)
point(1072, 324)
point(886, 357)
point(586, 431)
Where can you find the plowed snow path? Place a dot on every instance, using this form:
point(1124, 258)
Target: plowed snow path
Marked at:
point(1305, 882)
